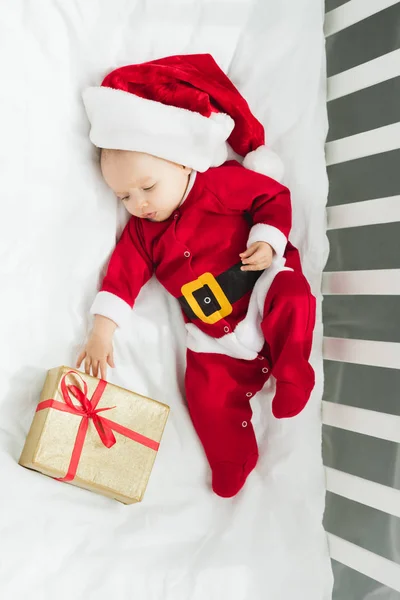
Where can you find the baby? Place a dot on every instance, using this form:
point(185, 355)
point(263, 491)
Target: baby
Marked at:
point(215, 233)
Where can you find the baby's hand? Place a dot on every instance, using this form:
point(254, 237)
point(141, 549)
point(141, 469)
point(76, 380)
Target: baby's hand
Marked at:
point(257, 257)
point(98, 351)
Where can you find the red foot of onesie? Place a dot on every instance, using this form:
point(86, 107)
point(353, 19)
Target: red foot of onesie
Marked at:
point(218, 392)
point(290, 399)
point(229, 478)
point(288, 324)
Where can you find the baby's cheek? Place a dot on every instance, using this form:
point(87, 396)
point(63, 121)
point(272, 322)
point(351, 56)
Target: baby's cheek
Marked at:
point(158, 201)
point(167, 202)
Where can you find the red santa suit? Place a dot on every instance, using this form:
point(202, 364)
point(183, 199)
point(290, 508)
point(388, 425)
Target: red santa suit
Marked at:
point(233, 345)
point(242, 326)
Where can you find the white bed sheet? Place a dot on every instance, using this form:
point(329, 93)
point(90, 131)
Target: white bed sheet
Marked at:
point(58, 226)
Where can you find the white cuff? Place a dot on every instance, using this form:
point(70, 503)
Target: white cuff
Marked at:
point(267, 233)
point(111, 306)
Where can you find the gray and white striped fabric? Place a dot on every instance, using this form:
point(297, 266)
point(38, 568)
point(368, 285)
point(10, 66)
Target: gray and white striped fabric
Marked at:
point(361, 286)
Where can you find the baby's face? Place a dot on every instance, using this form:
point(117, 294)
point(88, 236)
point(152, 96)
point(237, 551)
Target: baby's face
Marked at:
point(150, 187)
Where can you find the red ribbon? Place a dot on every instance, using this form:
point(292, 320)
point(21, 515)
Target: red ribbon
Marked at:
point(87, 410)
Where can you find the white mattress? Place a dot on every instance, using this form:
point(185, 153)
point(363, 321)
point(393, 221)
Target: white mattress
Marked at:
point(57, 229)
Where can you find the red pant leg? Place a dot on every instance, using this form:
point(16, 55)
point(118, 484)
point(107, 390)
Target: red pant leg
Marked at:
point(288, 324)
point(218, 391)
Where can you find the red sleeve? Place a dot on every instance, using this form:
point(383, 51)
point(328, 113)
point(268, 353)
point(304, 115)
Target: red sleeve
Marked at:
point(128, 270)
point(266, 200)
point(273, 207)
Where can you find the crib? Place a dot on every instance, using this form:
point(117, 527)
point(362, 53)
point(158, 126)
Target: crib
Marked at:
point(361, 284)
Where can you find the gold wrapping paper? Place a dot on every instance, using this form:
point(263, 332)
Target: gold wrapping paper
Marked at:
point(120, 472)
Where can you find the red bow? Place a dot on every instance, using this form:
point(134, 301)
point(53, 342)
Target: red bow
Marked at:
point(89, 410)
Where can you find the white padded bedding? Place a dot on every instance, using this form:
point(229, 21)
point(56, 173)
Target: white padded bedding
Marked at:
point(57, 228)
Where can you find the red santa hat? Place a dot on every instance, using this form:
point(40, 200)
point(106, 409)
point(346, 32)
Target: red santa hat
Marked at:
point(180, 108)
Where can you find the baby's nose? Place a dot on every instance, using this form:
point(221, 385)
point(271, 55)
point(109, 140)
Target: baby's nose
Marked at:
point(138, 201)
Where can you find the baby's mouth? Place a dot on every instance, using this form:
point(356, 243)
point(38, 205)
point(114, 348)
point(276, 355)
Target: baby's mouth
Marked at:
point(150, 215)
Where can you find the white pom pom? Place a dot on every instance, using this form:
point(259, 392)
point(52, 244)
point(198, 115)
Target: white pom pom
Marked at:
point(264, 161)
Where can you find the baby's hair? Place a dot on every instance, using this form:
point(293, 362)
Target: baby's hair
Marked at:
point(105, 155)
point(104, 152)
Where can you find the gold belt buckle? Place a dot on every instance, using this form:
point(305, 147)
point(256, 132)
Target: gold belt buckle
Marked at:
point(207, 279)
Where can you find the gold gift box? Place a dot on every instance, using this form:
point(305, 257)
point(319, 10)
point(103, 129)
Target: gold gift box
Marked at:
point(120, 471)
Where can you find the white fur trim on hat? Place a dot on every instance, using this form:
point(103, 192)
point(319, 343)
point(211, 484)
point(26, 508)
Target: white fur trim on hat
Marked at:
point(267, 233)
point(264, 161)
point(123, 121)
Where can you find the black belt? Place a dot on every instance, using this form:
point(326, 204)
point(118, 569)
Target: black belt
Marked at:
point(234, 283)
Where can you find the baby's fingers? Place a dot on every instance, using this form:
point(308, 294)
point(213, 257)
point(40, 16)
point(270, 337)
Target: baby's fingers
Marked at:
point(257, 267)
point(110, 360)
point(103, 369)
point(260, 265)
point(255, 258)
point(80, 358)
point(249, 252)
point(88, 363)
point(95, 368)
